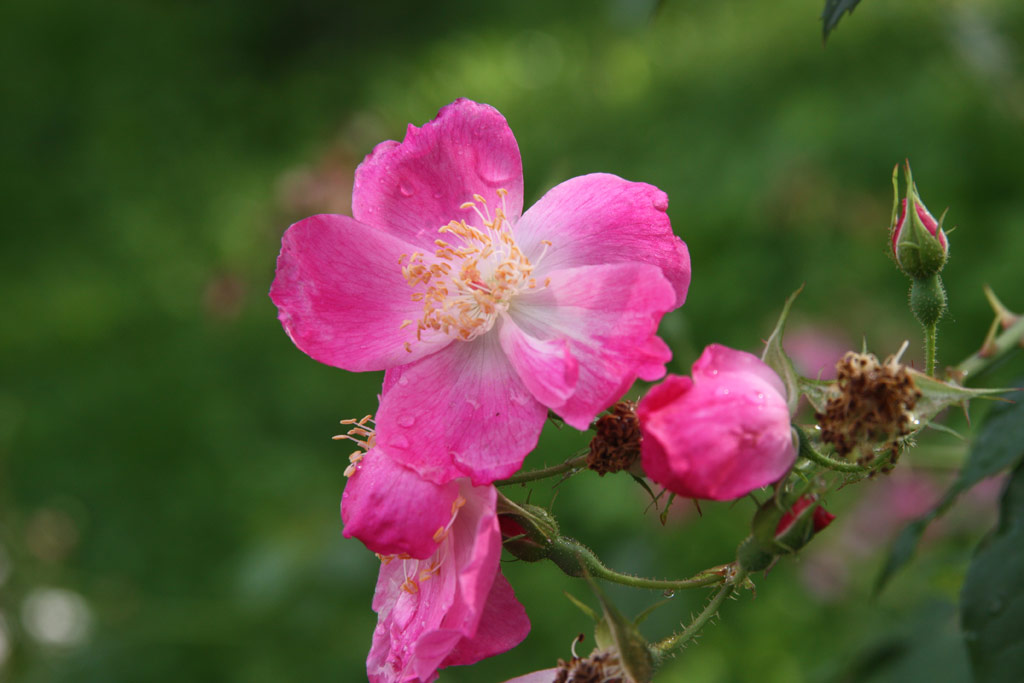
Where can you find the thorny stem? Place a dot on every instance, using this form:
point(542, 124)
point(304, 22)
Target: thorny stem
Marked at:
point(665, 647)
point(977, 362)
point(930, 333)
point(534, 475)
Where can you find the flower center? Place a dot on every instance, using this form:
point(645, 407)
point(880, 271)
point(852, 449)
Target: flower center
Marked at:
point(472, 277)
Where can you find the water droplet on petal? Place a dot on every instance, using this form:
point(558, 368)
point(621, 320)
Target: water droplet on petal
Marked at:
point(398, 441)
point(403, 381)
point(406, 421)
point(405, 189)
point(438, 195)
point(493, 169)
point(472, 403)
point(660, 201)
point(519, 398)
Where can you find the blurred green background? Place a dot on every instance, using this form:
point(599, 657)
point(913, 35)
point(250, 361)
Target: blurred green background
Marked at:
point(168, 488)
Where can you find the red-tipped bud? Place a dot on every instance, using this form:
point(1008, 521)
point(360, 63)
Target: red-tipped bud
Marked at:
point(918, 241)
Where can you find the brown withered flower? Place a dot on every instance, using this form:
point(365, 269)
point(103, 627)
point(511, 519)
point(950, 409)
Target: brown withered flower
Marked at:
point(872, 404)
point(616, 445)
point(599, 667)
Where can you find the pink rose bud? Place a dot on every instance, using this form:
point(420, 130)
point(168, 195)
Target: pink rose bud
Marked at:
point(918, 243)
point(720, 435)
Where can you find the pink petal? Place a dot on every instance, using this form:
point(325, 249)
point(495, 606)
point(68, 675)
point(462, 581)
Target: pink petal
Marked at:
point(476, 551)
point(411, 189)
point(718, 360)
point(547, 368)
point(418, 629)
point(393, 510)
point(609, 314)
point(341, 296)
point(503, 625)
point(601, 218)
point(460, 412)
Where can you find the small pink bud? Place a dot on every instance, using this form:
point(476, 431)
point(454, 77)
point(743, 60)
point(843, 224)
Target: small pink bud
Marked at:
point(820, 518)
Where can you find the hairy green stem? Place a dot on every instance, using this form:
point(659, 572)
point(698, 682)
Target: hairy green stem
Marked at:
point(534, 475)
point(999, 347)
point(576, 559)
point(667, 646)
point(930, 333)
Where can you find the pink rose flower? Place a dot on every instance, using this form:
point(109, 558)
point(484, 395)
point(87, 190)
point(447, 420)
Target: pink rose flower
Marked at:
point(451, 608)
point(720, 435)
point(484, 317)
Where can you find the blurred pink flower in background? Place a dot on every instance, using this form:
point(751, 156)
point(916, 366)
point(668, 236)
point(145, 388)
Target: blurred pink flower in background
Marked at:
point(815, 350)
point(484, 318)
point(720, 435)
point(886, 506)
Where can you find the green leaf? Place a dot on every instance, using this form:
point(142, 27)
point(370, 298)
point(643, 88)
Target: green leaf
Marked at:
point(833, 12)
point(992, 599)
point(777, 359)
point(999, 446)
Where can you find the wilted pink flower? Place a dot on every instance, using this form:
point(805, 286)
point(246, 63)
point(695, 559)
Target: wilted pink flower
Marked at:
point(720, 435)
point(483, 318)
point(451, 608)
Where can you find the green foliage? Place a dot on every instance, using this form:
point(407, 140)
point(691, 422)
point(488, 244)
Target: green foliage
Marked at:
point(992, 600)
point(150, 396)
point(999, 446)
point(833, 12)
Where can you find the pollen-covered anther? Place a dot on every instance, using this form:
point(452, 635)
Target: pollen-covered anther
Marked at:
point(363, 435)
point(442, 531)
point(473, 276)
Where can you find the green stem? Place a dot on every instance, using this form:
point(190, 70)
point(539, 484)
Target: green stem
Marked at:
point(534, 475)
point(808, 451)
point(930, 333)
point(667, 646)
point(999, 347)
point(576, 559)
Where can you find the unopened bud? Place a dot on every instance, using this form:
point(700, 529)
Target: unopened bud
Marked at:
point(918, 241)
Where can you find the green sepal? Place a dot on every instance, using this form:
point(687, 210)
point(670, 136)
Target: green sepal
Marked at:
point(919, 253)
point(775, 357)
point(539, 528)
point(937, 395)
point(615, 632)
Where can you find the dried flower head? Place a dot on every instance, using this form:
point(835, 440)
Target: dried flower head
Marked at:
point(872, 405)
point(599, 667)
point(616, 445)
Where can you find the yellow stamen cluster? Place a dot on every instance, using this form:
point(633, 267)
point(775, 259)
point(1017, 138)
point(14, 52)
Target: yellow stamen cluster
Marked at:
point(363, 435)
point(466, 286)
